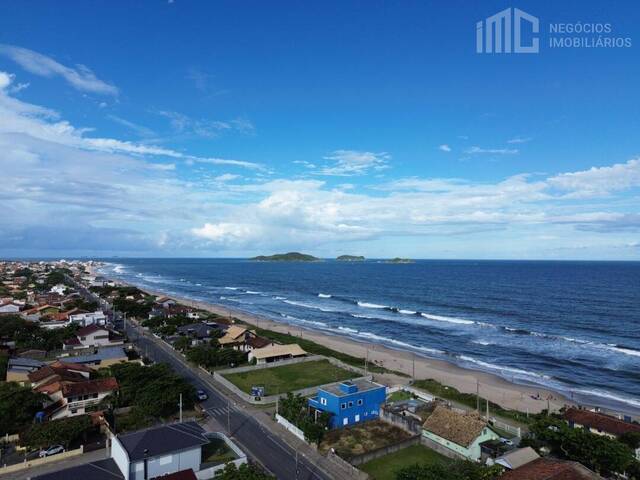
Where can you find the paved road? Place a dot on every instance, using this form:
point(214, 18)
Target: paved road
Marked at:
point(261, 444)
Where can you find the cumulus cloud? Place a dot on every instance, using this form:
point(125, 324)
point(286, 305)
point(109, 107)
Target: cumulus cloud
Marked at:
point(183, 124)
point(598, 181)
point(444, 148)
point(80, 77)
point(354, 162)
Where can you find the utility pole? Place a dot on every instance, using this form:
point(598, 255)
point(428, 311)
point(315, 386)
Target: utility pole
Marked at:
point(229, 417)
point(487, 409)
point(413, 366)
point(296, 464)
point(366, 361)
point(478, 396)
point(180, 404)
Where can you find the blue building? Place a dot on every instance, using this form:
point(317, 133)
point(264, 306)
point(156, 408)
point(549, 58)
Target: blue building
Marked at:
point(350, 402)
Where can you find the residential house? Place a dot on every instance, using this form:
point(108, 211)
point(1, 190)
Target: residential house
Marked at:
point(75, 397)
point(459, 433)
point(516, 458)
point(8, 307)
point(85, 319)
point(99, 358)
point(548, 468)
point(600, 424)
point(167, 452)
point(93, 336)
point(200, 332)
point(275, 353)
point(350, 402)
point(241, 338)
point(59, 289)
point(19, 368)
point(36, 313)
point(165, 302)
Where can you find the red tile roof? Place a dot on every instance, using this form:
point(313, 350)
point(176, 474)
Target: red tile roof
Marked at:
point(89, 386)
point(76, 367)
point(57, 372)
point(551, 469)
point(599, 421)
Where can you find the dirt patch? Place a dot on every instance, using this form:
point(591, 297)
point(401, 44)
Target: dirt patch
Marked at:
point(362, 438)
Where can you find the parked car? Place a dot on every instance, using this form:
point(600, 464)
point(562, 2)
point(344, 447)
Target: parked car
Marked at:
point(202, 395)
point(52, 450)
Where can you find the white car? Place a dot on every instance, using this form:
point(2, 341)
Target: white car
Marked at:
point(202, 395)
point(52, 450)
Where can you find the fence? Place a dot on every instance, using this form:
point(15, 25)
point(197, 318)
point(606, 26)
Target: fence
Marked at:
point(517, 431)
point(345, 468)
point(290, 426)
point(40, 461)
point(381, 452)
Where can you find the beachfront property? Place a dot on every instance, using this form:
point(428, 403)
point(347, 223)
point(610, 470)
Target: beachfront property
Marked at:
point(460, 434)
point(548, 468)
point(243, 339)
point(600, 424)
point(350, 402)
point(275, 353)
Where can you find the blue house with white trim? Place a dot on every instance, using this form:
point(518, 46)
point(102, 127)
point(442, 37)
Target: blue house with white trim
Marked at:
point(350, 402)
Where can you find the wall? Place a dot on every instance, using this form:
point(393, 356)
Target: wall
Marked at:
point(290, 426)
point(40, 461)
point(120, 456)
point(169, 463)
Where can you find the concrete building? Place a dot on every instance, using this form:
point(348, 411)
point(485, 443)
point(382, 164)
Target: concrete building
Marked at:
point(350, 402)
point(85, 319)
point(93, 336)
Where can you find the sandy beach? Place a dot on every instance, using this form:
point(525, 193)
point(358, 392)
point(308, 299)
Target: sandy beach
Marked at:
point(496, 389)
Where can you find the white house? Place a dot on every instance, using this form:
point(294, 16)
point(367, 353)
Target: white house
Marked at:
point(85, 319)
point(9, 307)
point(68, 399)
point(92, 336)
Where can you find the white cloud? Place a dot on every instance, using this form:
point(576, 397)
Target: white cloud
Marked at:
point(141, 130)
point(517, 140)
point(354, 162)
point(495, 151)
point(225, 233)
point(186, 125)
point(444, 148)
point(226, 177)
point(599, 180)
point(80, 77)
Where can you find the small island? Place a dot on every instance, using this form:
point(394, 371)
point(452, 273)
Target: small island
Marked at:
point(399, 260)
point(350, 258)
point(286, 257)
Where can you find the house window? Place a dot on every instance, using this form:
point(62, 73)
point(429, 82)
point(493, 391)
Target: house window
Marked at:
point(343, 406)
point(165, 460)
point(323, 401)
point(345, 421)
point(360, 402)
point(357, 418)
point(351, 404)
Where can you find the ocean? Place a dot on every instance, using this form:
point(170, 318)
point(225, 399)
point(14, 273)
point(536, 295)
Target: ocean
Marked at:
point(572, 327)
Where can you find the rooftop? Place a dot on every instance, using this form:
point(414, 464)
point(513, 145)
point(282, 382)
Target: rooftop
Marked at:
point(100, 470)
point(102, 354)
point(278, 351)
point(517, 458)
point(163, 439)
point(361, 384)
point(551, 469)
point(459, 428)
point(599, 421)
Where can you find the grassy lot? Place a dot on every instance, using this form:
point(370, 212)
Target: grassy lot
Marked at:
point(468, 399)
point(362, 438)
point(317, 349)
point(289, 378)
point(385, 468)
point(217, 452)
point(399, 395)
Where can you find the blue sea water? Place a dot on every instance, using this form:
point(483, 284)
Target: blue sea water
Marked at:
point(573, 327)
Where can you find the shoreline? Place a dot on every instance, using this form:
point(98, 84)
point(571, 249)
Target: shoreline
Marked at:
point(508, 395)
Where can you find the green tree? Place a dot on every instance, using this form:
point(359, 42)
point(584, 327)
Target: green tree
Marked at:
point(62, 432)
point(182, 343)
point(459, 470)
point(18, 406)
point(245, 472)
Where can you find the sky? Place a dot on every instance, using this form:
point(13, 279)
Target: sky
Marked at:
point(234, 128)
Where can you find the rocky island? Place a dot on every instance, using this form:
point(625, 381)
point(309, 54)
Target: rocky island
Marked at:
point(350, 258)
point(399, 260)
point(286, 257)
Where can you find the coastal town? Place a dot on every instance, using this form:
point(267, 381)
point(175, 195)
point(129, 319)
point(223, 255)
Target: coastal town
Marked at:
point(105, 380)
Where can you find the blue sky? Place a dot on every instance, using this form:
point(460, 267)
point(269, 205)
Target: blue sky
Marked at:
point(235, 128)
